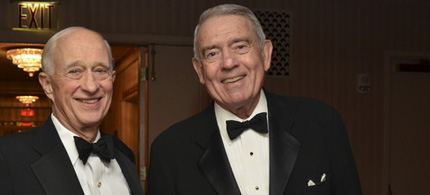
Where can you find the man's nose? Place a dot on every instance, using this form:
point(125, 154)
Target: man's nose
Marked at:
point(229, 59)
point(89, 82)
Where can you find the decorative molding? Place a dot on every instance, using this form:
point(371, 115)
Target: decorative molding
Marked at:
point(131, 94)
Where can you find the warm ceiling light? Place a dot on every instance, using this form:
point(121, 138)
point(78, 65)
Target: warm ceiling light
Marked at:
point(29, 59)
point(27, 99)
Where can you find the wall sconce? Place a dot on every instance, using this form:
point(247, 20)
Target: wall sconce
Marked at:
point(29, 59)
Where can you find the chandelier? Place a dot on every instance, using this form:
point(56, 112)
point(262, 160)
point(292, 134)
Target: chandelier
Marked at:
point(27, 99)
point(29, 59)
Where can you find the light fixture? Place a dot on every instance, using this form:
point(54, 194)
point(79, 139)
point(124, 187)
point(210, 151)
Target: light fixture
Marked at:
point(27, 99)
point(29, 59)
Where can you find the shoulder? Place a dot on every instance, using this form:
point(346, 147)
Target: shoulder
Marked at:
point(298, 105)
point(303, 110)
point(19, 147)
point(18, 139)
point(119, 145)
point(181, 129)
point(310, 117)
point(195, 128)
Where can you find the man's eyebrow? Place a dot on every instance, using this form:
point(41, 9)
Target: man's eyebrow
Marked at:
point(245, 39)
point(97, 64)
point(72, 65)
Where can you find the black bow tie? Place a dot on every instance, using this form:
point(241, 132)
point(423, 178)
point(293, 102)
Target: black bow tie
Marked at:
point(257, 123)
point(102, 148)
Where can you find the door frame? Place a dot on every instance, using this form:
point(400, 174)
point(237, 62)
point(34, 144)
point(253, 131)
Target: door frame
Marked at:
point(389, 69)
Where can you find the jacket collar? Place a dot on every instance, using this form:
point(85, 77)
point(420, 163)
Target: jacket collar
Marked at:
point(214, 162)
point(284, 147)
point(54, 170)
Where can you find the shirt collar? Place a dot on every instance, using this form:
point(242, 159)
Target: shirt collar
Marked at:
point(67, 139)
point(223, 115)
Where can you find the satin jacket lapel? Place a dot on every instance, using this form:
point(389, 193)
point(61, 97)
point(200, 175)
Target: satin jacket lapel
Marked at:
point(54, 170)
point(214, 162)
point(129, 169)
point(284, 147)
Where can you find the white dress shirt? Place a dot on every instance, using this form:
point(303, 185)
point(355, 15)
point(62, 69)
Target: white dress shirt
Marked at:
point(95, 177)
point(248, 154)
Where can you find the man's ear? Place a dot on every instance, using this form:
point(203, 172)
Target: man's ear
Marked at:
point(267, 54)
point(113, 76)
point(45, 82)
point(199, 70)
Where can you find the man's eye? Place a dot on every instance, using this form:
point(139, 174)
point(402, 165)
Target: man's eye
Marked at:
point(244, 48)
point(100, 71)
point(211, 54)
point(75, 71)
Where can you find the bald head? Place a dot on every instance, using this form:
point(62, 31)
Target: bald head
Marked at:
point(72, 34)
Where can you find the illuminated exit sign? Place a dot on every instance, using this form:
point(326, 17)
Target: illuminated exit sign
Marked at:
point(35, 15)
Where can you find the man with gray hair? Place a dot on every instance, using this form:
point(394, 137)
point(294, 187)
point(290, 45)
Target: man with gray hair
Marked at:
point(68, 154)
point(249, 141)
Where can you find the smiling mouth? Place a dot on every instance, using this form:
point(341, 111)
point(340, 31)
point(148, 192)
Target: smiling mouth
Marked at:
point(232, 80)
point(89, 101)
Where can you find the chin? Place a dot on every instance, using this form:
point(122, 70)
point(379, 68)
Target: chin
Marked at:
point(91, 119)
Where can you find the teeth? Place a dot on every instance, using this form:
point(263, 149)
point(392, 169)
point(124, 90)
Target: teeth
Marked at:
point(89, 101)
point(232, 79)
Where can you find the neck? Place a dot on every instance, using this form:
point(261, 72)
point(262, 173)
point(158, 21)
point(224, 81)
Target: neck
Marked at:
point(89, 135)
point(243, 111)
point(87, 132)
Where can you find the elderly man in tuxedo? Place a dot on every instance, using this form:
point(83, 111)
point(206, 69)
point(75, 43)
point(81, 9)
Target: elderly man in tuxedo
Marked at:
point(68, 154)
point(249, 141)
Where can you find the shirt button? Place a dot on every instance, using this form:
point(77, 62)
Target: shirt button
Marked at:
point(251, 153)
point(257, 188)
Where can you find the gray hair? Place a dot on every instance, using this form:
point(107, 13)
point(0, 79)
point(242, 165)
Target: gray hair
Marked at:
point(49, 49)
point(228, 9)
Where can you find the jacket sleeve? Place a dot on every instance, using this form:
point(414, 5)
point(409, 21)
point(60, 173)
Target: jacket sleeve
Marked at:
point(159, 178)
point(345, 175)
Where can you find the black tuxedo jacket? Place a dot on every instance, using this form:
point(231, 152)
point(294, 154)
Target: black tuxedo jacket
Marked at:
point(307, 140)
point(35, 162)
